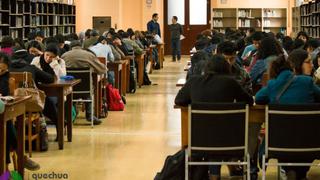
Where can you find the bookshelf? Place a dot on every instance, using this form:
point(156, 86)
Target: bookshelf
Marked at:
point(310, 18)
point(20, 17)
point(275, 20)
point(249, 18)
point(262, 19)
point(223, 17)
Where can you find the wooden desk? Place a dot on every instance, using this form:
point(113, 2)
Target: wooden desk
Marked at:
point(15, 109)
point(149, 53)
point(181, 82)
point(116, 67)
point(160, 48)
point(125, 75)
point(140, 61)
point(60, 89)
point(256, 115)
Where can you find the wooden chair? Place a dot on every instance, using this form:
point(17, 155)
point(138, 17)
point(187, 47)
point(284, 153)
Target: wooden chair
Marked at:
point(17, 79)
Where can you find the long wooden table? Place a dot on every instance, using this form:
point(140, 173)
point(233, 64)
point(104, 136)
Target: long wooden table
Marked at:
point(256, 115)
point(160, 48)
point(60, 89)
point(15, 109)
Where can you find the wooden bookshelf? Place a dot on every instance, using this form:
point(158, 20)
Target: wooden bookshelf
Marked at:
point(20, 17)
point(262, 19)
point(223, 18)
point(249, 17)
point(310, 18)
point(275, 20)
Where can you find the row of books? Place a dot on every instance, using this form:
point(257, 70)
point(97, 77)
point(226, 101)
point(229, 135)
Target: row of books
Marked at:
point(311, 20)
point(249, 23)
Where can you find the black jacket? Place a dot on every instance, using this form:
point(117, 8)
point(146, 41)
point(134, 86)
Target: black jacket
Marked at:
point(39, 76)
point(216, 88)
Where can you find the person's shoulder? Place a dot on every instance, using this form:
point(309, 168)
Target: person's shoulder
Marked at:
point(304, 78)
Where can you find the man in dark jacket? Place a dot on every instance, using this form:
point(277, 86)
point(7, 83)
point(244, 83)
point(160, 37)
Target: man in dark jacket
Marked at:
point(176, 31)
point(153, 25)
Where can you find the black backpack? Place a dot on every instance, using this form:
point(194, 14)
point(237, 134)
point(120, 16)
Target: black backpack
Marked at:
point(173, 168)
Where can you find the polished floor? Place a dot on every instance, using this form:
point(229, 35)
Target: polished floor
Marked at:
point(128, 145)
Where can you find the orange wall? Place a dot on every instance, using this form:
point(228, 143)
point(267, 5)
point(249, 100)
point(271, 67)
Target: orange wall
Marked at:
point(136, 13)
point(124, 13)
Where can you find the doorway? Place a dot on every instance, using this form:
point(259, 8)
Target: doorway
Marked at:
point(101, 23)
point(193, 15)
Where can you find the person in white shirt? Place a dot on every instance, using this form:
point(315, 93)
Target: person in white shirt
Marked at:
point(102, 49)
point(50, 62)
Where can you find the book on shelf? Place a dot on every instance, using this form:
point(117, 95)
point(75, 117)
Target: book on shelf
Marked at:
point(217, 14)
point(244, 13)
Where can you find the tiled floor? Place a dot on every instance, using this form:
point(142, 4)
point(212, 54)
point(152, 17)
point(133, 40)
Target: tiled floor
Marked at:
point(128, 145)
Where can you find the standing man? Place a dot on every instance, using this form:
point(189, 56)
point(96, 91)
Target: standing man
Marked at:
point(176, 31)
point(153, 25)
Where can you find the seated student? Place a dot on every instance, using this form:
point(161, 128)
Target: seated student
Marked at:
point(228, 50)
point(313, 48)
point(198, 64)
point(317, 70)
point(300, 90)
point(268, 51)
point(50, 61)
point(216, 85)
point(7, 45)
point(34, 48)
point(94, 35)
point(303, 36)
point(102, 49)
point(11, 135)
point(80, 58)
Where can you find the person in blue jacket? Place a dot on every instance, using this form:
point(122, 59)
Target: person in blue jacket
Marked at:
point(301, 90)
point(153, 25)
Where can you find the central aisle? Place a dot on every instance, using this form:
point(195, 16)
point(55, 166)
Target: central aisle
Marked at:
point(128, 145)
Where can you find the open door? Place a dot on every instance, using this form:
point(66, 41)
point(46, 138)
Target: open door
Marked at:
point(194, 15)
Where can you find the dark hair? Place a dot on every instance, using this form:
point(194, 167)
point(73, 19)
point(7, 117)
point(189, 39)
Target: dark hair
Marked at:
point(130, 31)
point(72, 36)
point(4, 58)
point(315, 61)
point(217, 64)
point(53, 48)
point(251, 30)
point(34, 44)
point(280, 36)
point(50, 40)
point(100, 39)
point(199, 56)
point(39, 33)
point(154, 15)
point(257, 36)
point(298, 44)
point(94, 33)
point(287, 44)
point(202, 43)
point(302, 33)
point(313, 43)
point(60, 38)
point(88, 32)
point(125, 35)
point(227, 47)
point(175, 18)
point(296, 59)
point(278, 65)
point(20, 43)
point(7, 41)
point(269, 46)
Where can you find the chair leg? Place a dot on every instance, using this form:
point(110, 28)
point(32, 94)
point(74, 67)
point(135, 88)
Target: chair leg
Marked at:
point(92, 111)
point(186, 168)
point(30, 134)
point(38, 132)
point(263, 167)
point(248, 167)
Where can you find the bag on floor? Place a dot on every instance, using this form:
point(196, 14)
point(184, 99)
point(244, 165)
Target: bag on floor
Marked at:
point(173, 168)
point(114, 99)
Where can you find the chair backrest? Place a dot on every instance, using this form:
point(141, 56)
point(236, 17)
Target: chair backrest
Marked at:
point(293, 131)
point(20, 78)
point(85, 87)
point(218, 129)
